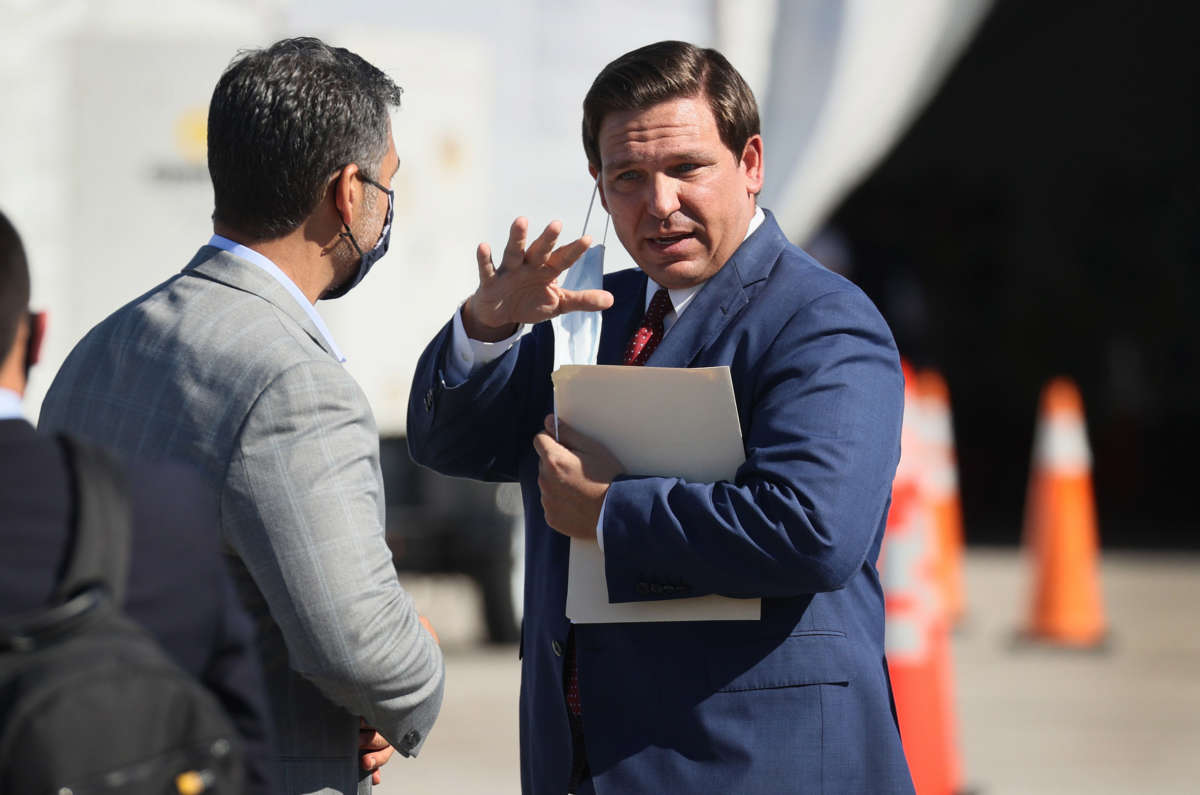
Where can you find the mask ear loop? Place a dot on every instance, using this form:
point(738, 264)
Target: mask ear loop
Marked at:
point(603, 239)
point(588, 217)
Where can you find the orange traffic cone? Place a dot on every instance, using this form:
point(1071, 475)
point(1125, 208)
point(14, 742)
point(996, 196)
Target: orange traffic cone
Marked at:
point(917, 638)
point(941, 489)
point(1060, 526)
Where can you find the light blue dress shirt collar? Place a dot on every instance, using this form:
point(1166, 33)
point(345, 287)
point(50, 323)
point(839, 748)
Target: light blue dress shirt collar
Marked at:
point(250, 255)
point(10, 405)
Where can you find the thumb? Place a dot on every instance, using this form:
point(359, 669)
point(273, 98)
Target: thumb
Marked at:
point(584, 300)
point(573, 440)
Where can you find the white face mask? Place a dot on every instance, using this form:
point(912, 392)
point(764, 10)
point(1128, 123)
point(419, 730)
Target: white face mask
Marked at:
point(577, 334)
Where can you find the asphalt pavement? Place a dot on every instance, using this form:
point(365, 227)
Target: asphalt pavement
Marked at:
point(1032, 720)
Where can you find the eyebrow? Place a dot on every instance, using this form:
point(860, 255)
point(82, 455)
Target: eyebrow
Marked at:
point(684, 157)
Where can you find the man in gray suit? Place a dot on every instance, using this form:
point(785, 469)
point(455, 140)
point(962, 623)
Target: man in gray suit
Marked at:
point(228, 365)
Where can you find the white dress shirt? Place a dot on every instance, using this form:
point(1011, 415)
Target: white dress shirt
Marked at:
point(250, 255)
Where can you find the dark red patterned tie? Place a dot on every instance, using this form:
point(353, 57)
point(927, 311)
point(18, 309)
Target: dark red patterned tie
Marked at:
point(641, 345)
point(650, 333)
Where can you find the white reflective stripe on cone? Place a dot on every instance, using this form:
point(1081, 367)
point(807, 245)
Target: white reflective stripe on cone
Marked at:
point(943, 478)
point(1062, 446)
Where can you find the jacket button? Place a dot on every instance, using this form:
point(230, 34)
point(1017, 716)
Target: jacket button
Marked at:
point(643, 588)
point(429, 400)
point(558, 649)
point(410, 740)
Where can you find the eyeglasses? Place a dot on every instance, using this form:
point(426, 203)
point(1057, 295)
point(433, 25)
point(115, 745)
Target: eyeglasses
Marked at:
point(391, 193)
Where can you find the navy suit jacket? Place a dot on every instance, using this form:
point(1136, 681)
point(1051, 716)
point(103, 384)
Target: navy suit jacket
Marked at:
point(798, 701)
point(177, 586)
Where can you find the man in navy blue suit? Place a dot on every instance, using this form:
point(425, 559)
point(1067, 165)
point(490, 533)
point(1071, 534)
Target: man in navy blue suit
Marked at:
point(798, 701)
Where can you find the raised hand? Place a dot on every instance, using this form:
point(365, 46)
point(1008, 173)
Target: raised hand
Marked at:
point(522, 289)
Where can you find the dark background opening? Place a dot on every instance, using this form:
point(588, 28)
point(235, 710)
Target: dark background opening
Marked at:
point(1041, 217)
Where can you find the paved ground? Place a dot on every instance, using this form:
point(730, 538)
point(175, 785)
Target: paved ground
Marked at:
point(1126, 720)
point(1033, 721)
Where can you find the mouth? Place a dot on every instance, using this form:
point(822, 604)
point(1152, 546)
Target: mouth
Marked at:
point(669, 243)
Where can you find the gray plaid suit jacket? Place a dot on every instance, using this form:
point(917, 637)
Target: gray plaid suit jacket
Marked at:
point(219, 366)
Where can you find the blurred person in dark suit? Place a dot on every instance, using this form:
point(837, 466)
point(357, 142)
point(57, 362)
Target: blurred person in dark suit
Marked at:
point(177, 588)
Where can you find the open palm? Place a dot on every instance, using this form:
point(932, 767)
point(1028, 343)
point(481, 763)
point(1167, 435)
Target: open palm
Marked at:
point(523, 289)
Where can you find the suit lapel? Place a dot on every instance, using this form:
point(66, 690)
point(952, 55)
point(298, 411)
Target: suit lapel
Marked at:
point(619, 321)
point(721, 298)
point(220, 266)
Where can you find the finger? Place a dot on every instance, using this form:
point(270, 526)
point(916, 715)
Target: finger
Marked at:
point(544, 444)
point(514, 252)
point(384, 756)
point(549, 424)
point(370, 740)
point(483, 255)
point(583, 300)
point(564, 256)
point(376, 778)
point(540, 249)
point(573, 440)
point(566, 435)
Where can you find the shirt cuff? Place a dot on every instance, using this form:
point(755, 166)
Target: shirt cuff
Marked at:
point(466, 355)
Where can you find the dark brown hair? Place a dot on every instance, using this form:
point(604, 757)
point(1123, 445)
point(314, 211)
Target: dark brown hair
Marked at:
point(671, 70)
point(282, 121)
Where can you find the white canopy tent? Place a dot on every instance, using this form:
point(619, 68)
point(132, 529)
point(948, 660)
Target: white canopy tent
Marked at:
point(838, 82)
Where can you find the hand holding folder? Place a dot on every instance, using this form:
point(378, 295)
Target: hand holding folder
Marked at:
point(657, 421)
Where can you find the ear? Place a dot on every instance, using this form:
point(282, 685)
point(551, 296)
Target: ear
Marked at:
point(752, 164)
point(346, 193)
point(37, 335)
point(595, 172)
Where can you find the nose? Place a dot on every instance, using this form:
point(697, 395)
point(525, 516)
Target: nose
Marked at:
point(664, 196)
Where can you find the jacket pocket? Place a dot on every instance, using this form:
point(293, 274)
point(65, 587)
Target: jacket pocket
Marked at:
point(808, 658)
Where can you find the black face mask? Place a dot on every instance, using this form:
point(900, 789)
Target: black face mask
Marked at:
point(366, 260)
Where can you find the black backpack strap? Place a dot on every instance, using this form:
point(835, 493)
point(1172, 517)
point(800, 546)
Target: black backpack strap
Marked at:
point(103, 520)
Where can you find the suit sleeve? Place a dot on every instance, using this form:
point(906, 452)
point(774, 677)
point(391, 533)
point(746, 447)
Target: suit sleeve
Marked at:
point(822, 444)
point(303, 504)
point(482, 427)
